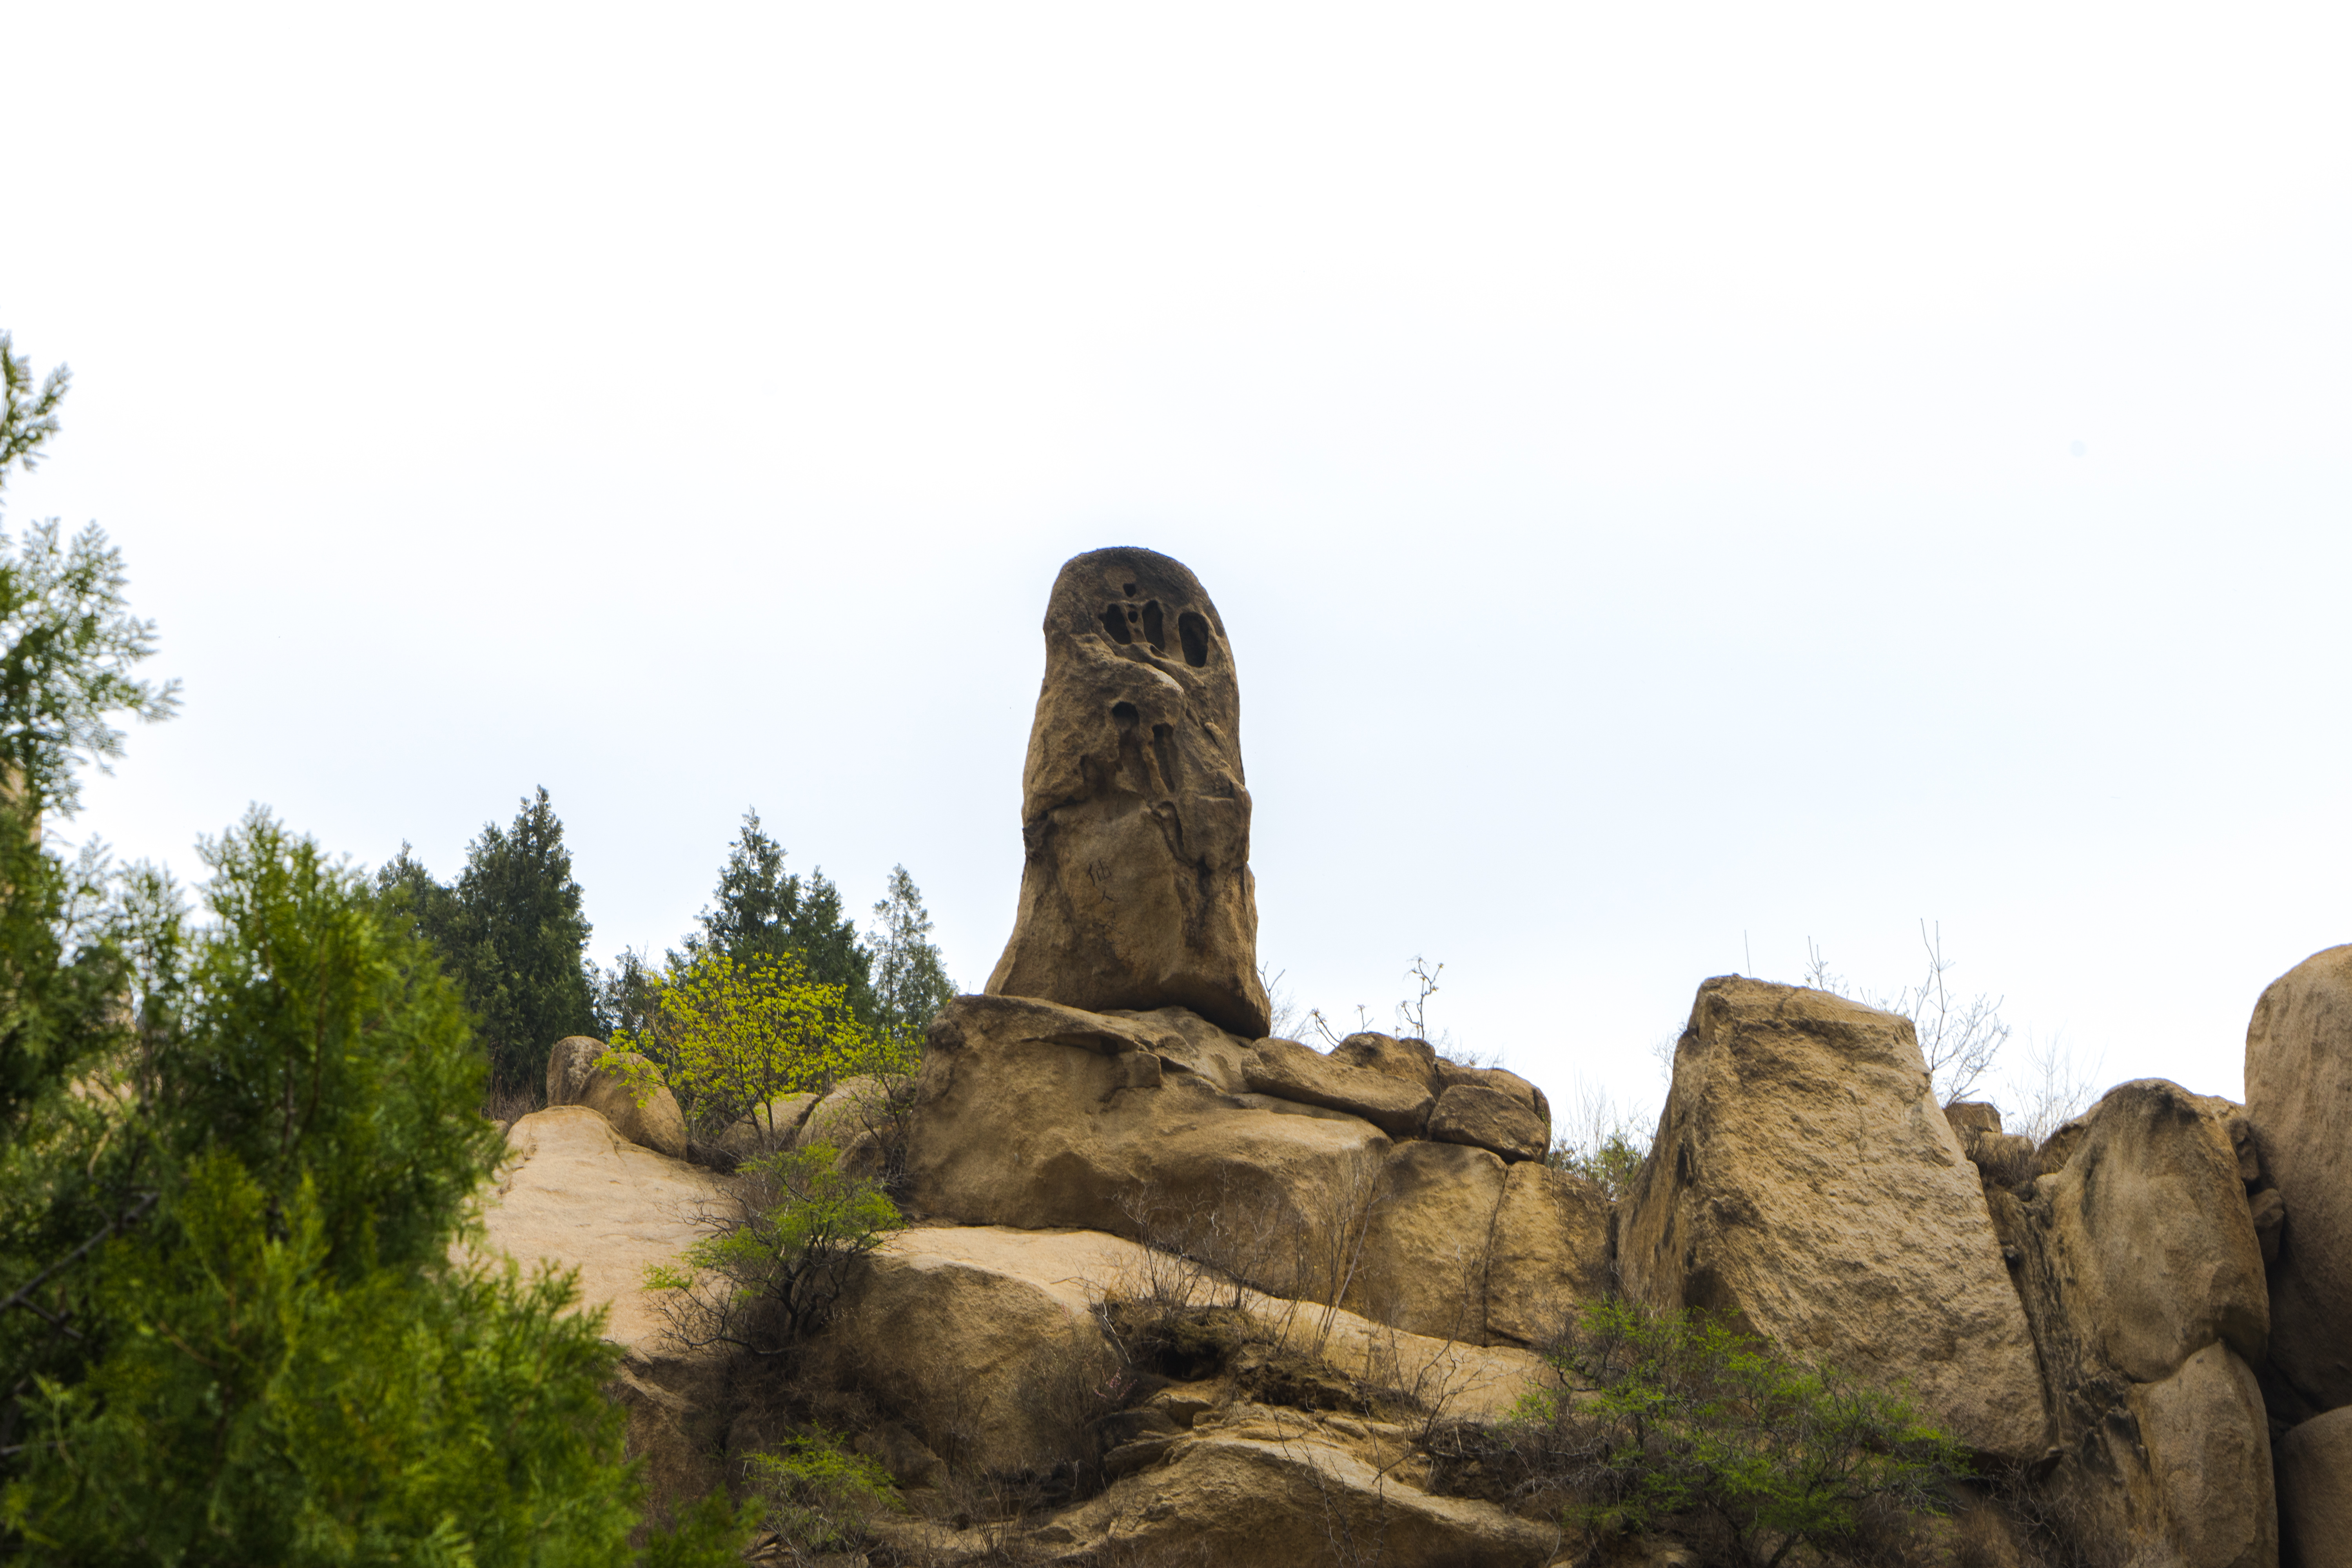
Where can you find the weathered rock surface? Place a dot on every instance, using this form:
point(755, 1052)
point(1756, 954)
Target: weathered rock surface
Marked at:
point(1014, 1124)
point(1489, 1118)
point(578, 1194)
point(2140, 1272)
point(1390, 1101)
point(2299, 1096)
point(1429, 1227)
point(1135, 888)
point(1276, 1486)
point(574, 1079)
point(974, 1334)
point(2314, 1492)
point(1803, 1177)
point(1548, 1254)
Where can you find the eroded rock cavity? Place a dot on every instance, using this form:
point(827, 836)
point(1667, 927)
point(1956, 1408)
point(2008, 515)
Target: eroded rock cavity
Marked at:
point(1135, 888)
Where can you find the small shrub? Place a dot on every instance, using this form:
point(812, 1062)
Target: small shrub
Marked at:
point(1679, 1417)
point(819, 1497)
point(1611, 1163)
point(777, 1254)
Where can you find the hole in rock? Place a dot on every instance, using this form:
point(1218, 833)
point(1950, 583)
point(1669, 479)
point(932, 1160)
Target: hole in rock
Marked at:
point(1129, 590)
point(1154, 627)
point(1114, 623)
point(1192, 627)
point(1125, 713)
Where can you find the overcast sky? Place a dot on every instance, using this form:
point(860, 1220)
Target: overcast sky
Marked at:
point(1681, 482)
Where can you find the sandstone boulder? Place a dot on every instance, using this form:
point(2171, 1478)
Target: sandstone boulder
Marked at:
point(574, 1079)
point(1285, 1487)
point(1450, 1073)
point(854, 1119)
point(576, 1194)
point(1135, 888)
point(1362, 1083)
point(1803, 1177)
point(1428, 1240)
point(2314, 1492)
point(978, 1337)
point(2142, 1277)
point(1548, 1254)
point(2299, 1096)
point(1013, 1125)
point(1489, 1118)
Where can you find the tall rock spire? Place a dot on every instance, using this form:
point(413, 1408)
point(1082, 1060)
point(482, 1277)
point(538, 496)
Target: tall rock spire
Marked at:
point(1136, 889)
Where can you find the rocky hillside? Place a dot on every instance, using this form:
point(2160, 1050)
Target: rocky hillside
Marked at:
point(1176, 1292)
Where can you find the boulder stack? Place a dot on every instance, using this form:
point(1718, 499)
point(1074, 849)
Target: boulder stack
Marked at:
point(1135, 821)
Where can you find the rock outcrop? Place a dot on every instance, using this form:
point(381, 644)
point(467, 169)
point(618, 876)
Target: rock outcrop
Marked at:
point(2139, 1268)
point(1267, 1157)
point(1803, 1178)
point(2314, 1492)
point(574, 1079)
point(2299, 1095)
point(1135, 820)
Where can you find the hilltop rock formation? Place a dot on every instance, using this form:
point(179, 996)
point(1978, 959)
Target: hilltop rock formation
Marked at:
point(2140, 1271)
point(1135, 821)
point(2299, 1095)
point(1803, 1178)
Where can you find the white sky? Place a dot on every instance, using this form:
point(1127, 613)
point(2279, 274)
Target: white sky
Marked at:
point(1634, 450)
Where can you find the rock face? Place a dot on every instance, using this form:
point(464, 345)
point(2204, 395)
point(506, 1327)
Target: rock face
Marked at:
point(2140, 1271)
point(2314, 1492)
point(1803, 1178)
point(1136, 889)
point(574, 1079)
point(1263, 1157)
point(2299, 1095)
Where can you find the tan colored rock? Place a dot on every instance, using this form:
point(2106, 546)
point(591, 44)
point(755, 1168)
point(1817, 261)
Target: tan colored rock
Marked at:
point(1010, 1125)
point(1804, 1178)
point(773, 1126)
point(970, 1334)
point(2140, 1273)
point(2314, 1492)
point(1136, 889)
point(577, 1195)
point(1186, 1042)
point(1548, 1255)
point(1410, 1061)
point(1396, 1104)
point(1428, 1233)
point(854, 1118)
point(1450, 1073)
point(2299, 1096)
point(1297, 1495)
point(1489, 1118)
point(574, 1079)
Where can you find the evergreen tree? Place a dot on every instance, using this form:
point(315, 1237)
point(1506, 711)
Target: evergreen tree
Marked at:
point(910, 983)
point(512, 935)
point(764, 912)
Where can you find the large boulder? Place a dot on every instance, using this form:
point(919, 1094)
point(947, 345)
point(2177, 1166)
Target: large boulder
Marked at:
point(1548, 1255)
point(1428, 1240)
point(2299, 1095)
point(2140, 1271)
point(1803, 1178)
point(2314, 1492)
point(1392, 1102)
point(575, 1194)
point(1135, 821)
point(985, 1341)
point(1026, 1115)
point(650, 1118)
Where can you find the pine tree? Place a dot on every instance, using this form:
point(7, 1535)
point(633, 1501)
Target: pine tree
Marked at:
point(764, 912)
point(910, 983)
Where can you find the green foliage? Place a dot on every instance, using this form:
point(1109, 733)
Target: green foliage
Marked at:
point(910, 983)
point(818, 1496)
point(763, 911)
point(1668, 1415)
point(1610, 1163)
point(510, 932)
point(27, 418)
point(777, 1254)
point(728, 1037)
